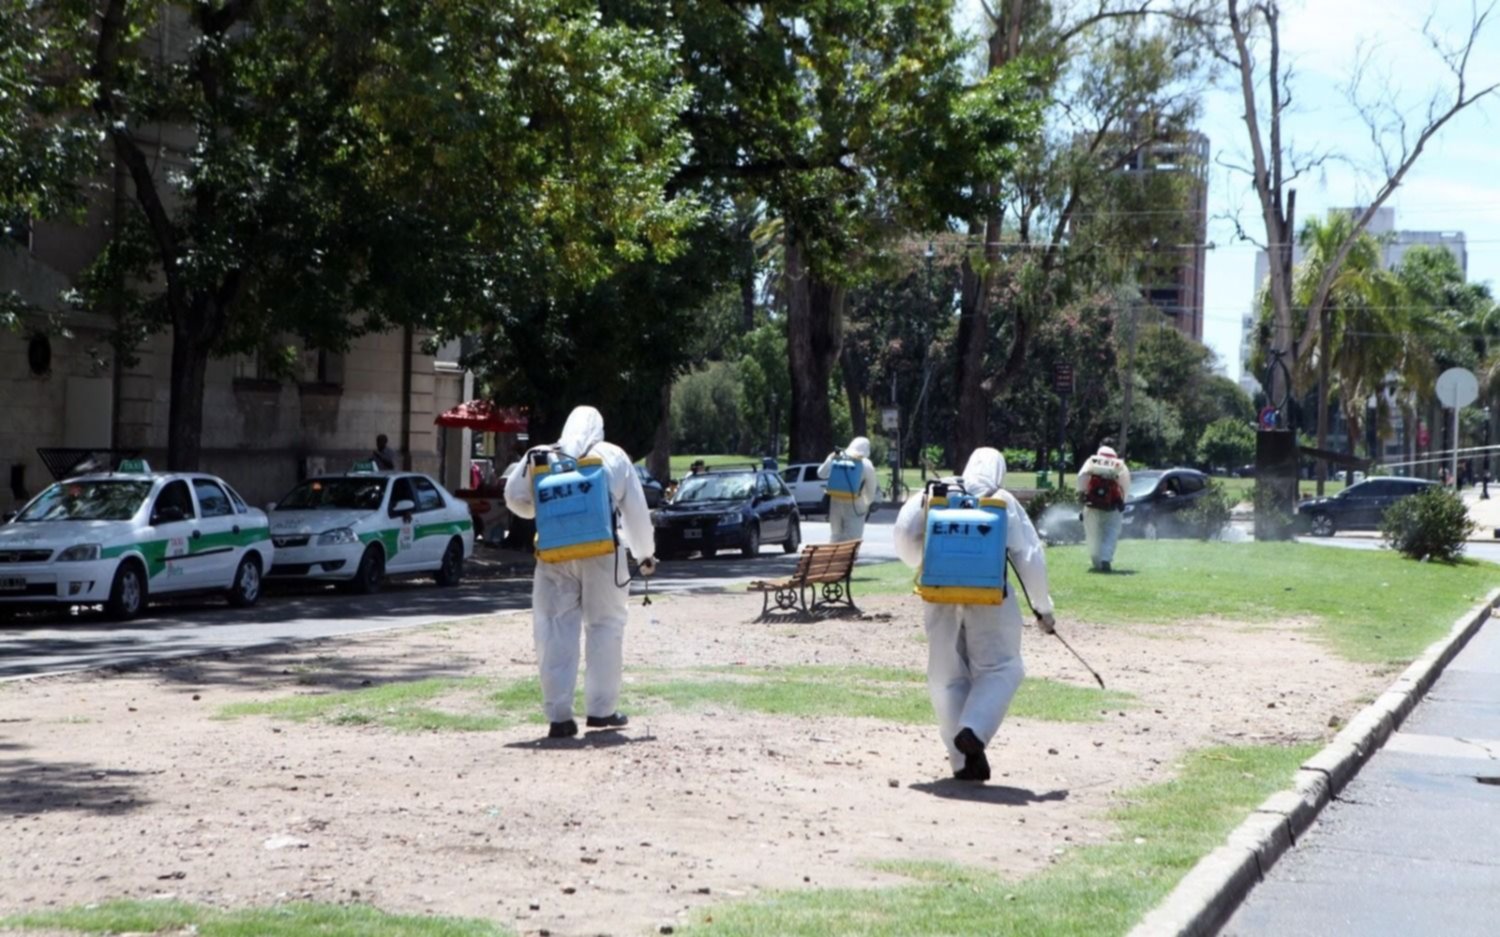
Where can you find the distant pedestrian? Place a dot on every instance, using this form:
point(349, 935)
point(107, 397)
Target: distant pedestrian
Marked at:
point(384, 458)
point(852, 489)
point(697, 468)
point(1103, 482)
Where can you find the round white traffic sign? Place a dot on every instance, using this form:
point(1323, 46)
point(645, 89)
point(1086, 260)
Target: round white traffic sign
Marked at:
point(1457, 387)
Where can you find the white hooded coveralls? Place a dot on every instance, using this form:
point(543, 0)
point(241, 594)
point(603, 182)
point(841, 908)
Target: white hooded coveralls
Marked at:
point(585, 593)
point(846, 519)
point(974, 651)
point(1101, 528)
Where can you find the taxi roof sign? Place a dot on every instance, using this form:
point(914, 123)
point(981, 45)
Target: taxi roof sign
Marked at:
point(365, 465)
point(134, 467)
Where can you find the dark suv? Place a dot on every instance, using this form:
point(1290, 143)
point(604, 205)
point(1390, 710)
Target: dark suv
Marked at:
point(1358, 506)
point(1156, 499)
point(728, 509)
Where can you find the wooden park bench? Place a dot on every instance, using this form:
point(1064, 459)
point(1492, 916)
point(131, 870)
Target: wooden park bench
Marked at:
point(823, 569)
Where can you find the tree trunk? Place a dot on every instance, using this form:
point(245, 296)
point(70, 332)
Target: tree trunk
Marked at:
point(854, 388)
point(1324, 346)
point(815, 319)
point(659, 463)
point(971, 423)
point(185, 414)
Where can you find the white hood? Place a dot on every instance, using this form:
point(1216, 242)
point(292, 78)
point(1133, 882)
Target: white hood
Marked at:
point(859, 447)
point(583, 431)
point(985, 473)
point(315, 522)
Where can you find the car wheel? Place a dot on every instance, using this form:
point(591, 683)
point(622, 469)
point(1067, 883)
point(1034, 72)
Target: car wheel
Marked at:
point(127, 596)
point(370, 575)
point(793, 538)
point(452, 569)
point(1150, 531)
point(752, 542)
point(1322, 525)
point(245, 590)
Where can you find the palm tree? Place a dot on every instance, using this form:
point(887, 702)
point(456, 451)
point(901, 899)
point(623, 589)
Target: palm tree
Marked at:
point(1358, 333)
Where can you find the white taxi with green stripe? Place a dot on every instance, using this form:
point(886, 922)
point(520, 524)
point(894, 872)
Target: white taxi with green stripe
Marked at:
point(357, 528)
point(116, 539)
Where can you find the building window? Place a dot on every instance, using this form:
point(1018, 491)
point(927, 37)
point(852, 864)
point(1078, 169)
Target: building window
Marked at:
point(39, 355)
point(322, 367)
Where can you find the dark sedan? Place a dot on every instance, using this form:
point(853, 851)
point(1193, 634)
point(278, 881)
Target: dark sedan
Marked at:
point(728, 509)
point(1358, 507)
point(1156, 499)
point(650, 486)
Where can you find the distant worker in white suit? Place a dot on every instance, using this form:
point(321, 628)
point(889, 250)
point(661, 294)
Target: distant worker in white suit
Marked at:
point(852, 489)
point(1103, 483)
point(589, 507)
point(973, 623)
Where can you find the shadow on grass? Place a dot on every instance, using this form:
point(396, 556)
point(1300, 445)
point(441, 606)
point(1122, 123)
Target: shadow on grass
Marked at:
point(997, 794)
point(29, 787)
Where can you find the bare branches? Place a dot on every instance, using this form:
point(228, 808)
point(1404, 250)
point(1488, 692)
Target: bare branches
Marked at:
point(1385, 119)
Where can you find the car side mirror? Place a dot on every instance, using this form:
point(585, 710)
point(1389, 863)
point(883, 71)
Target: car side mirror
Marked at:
point(404, 506)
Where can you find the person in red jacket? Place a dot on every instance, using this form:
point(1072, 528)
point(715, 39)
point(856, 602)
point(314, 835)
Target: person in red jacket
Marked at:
point(1102, 484)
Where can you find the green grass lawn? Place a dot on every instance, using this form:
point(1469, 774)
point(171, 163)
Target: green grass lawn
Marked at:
point(488, 705)
point(1094, 890)
point(288, 920)
point(1370, 606)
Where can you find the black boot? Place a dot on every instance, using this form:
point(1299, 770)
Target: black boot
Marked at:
point(1104, 567)
point(976, 766)
point(563, 730)
point(617, 721)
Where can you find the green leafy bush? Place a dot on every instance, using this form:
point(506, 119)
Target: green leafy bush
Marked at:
point(1209, 515)
point(1434, 524)
point(1020, 460)
point(1063, 525)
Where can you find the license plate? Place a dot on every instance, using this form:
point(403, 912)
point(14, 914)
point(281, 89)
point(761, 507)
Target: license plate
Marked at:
point(692, 533)
point(12, 583)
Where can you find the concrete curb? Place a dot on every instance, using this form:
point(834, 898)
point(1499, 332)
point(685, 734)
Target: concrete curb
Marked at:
point(1206, 897)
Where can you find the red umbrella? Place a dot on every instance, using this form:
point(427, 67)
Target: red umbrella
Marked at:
point(484, 416)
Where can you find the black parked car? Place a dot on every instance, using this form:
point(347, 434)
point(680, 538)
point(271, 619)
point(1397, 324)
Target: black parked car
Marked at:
point(1157, 497)
point(1359, 506)
point(728, 509)
point(652, 487)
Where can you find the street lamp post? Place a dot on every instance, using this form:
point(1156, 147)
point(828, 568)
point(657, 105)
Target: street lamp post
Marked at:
point(1484, 492)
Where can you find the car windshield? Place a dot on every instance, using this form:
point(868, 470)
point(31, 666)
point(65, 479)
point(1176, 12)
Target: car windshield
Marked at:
point(1143, 484)
point(719, 486)
point(102, 500)
point(346, 494)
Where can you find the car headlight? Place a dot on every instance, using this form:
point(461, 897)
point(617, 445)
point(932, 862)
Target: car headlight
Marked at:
point(80, 553)
point(333, 538)
point(728, 520)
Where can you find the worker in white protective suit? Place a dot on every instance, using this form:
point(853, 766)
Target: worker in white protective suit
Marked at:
point(1102, 484)
point(591, 593)
point(846, 515)
point(974, 651)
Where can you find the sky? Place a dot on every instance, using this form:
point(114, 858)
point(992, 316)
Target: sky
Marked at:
point(1455, 184)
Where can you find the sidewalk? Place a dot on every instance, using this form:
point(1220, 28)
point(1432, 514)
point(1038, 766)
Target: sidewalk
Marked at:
point(1410, 846)
point(1486, 514)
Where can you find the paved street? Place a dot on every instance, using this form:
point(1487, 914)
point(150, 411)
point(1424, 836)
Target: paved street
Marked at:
point(53, 643)
point(1409, 847)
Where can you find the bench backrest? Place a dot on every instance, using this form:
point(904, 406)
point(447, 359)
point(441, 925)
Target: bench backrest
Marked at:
point(826, 561)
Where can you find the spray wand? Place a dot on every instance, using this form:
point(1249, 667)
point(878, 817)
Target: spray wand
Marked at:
point(1059, 637)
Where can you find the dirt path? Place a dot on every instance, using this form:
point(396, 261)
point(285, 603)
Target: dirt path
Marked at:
point(126, 786)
